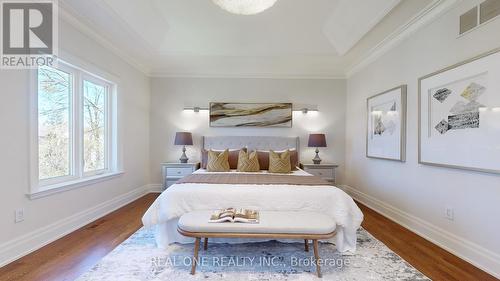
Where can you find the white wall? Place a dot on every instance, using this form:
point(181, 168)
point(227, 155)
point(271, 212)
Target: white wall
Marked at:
point(169, 95)
point(59, 209)
point(414, 194)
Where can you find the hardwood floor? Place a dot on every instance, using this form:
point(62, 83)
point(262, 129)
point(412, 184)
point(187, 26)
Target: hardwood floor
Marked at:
point(72, 255)
point(77, 252)
point(431, 260)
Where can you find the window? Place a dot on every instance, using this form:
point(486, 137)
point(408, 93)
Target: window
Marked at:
point(94, 127)
point(75, 138)
point(54, 123)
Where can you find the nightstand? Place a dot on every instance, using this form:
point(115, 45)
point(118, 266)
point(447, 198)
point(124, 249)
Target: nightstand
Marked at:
point(172, 172)
point(325, 171)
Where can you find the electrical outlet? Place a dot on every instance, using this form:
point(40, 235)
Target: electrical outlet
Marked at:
point(449, 214)
point(19, 215)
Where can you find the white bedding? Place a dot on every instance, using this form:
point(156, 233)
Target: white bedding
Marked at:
point(179, 199)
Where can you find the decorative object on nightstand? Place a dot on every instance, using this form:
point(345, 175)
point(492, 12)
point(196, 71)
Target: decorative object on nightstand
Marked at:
point(172, 172)
point(324, 171)
point(183, 138)
point(317, 140)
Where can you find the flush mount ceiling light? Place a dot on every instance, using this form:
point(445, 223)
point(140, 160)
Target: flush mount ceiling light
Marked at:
point(245, 7)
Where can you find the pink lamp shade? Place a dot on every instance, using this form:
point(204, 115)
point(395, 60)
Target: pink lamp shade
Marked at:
point(183, 138)
point(317, 140)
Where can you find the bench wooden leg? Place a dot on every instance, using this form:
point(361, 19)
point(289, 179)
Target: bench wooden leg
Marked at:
point(316, 257)
point(195, 260)
point(306, 245)
point(205, 244)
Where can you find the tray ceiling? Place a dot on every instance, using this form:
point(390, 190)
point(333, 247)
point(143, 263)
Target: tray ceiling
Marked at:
point(319, 38)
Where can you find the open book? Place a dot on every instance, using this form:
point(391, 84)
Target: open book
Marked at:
point(235, 215)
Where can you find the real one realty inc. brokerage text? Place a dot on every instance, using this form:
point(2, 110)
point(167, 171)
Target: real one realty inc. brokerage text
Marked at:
point(235, 261)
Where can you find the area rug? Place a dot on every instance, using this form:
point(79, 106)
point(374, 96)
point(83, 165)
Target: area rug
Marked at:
point(137, 258)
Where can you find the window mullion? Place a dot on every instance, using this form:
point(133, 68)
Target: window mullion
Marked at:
point(107, 129)
point(78, 126)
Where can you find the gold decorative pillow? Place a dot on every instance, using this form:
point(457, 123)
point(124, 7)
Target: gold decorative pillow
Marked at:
point(233, 157)
point(248, 162)
point(218, 161)
point(279, 162)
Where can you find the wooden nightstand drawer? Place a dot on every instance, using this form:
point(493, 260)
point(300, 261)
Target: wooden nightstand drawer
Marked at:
point(324, 173)
point(179, 172)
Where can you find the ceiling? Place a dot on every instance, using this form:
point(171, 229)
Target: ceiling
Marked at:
point(294, 38)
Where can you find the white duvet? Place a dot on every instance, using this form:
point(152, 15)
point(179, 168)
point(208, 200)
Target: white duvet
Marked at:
point(179, 199)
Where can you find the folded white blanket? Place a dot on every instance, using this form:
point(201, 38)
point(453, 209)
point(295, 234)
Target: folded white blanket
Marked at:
point(179, 199)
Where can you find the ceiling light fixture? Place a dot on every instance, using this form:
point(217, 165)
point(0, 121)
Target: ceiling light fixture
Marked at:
point(245, 7)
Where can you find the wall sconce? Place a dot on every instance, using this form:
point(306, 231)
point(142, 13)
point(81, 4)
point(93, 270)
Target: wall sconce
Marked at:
point(195, 108)
point(305, 108)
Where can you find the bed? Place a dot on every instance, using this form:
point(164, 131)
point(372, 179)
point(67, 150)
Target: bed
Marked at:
point(182, 198)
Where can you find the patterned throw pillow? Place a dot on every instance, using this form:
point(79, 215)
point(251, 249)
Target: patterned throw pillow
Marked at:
point(279, 162)
point(218, 161)
point(248, 162)
point(263, 156)
point(233, 157)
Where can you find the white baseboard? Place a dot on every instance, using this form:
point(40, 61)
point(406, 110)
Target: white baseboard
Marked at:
point(459, 246)
point(23, 245)
point(155, 188)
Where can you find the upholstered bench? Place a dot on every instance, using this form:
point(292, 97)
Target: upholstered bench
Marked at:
point(273, 225)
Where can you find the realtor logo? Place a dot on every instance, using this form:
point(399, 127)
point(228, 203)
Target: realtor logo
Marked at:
point(28, 33)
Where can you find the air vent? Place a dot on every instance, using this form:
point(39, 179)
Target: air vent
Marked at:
point(489, 9)
point(479, 15)
point(468, 20)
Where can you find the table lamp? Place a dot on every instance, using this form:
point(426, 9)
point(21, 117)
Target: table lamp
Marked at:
point(317, 140)
point(183, 138)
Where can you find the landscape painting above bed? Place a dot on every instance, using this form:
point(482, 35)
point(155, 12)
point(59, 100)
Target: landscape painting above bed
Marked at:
point(250, 114)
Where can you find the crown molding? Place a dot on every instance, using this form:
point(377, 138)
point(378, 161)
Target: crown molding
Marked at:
point(247, 76)
point(424, 17)
point(372, 23)
point(68, 17)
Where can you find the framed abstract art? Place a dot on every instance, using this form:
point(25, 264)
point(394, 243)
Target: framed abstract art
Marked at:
point(223, 114)
point(459, 115)
point(386, 128)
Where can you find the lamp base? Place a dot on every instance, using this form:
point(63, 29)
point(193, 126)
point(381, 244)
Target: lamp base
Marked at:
point(316, 159)
point(184, 158)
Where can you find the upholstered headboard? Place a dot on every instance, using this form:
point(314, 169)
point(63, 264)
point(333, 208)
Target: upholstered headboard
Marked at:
point(252, 142)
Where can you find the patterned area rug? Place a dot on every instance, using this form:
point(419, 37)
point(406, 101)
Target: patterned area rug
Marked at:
point(138, 259)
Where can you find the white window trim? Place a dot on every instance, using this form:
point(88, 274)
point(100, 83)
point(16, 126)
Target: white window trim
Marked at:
point(77, 177)
point(73, 184)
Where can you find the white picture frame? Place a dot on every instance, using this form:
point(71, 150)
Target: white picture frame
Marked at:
point(386, 125)
point(466, 98)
